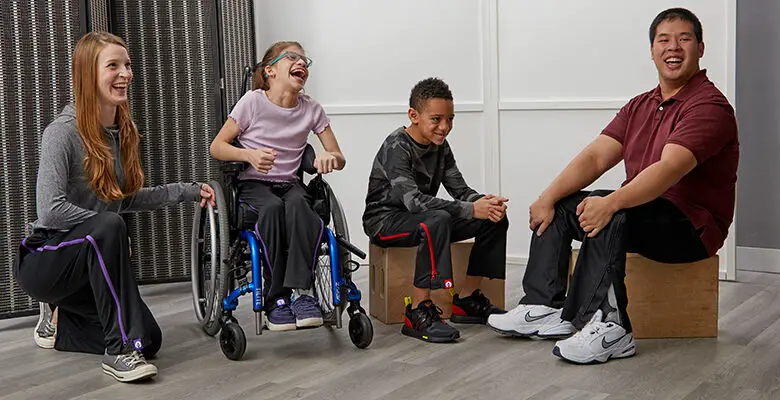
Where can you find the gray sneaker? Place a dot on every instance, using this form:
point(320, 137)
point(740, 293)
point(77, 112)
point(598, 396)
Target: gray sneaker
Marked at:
point(128, 367)
point(45, 331)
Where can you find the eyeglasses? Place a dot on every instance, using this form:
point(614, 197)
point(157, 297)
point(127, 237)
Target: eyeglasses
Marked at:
point(292, 56)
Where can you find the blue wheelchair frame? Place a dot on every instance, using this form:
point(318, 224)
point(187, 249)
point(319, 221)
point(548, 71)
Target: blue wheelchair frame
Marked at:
point(338, 281)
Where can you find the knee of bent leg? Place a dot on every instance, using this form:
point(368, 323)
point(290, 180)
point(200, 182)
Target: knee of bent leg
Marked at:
point(503, 224)
point(438, 219)
point(618, 219)
point(110, 223)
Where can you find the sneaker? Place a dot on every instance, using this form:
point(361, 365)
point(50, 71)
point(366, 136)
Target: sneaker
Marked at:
point(597, 342)
point(474, 309)
point(307, 312)
point(128, 367)
point(45, 331)
point(533, 321)
point(425, 323)
point(281, 317)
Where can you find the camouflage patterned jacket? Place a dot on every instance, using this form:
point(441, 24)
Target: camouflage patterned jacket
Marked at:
point(406, 177)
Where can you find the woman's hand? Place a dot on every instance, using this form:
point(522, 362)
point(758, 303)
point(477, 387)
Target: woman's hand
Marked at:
point(207, 194)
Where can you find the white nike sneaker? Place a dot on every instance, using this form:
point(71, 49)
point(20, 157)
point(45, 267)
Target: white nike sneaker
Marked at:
point(597, 342)
point(532, 321)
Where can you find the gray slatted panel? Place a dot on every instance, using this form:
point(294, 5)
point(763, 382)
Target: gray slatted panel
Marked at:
point(175, 102)
point(36, 42)
point(238, 44)
point(98, 14)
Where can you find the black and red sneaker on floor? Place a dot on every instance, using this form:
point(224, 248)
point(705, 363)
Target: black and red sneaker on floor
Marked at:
point(474, 309)
point(424, 323)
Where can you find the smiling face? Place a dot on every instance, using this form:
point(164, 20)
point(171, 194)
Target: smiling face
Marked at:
point(290, 71)
point(113, 75)
point(676, 52)
point(433, 122)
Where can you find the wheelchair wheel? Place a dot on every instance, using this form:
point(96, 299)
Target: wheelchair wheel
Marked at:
point(210, 245)
point(232, 341)
point(340, 228)
point(361, 332)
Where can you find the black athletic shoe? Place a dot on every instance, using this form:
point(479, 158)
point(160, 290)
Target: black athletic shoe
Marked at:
point(424, 323)
point(474, 309)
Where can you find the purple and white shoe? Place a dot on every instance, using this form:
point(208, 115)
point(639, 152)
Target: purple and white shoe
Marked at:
point(307, 312)
point(281, 317)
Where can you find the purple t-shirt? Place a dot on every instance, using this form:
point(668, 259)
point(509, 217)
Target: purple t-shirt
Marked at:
point(264, 124)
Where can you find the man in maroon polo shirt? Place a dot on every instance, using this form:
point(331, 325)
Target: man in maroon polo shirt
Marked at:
point(680, 148)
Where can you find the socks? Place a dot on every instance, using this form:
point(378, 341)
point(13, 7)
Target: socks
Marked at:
point(300, 292)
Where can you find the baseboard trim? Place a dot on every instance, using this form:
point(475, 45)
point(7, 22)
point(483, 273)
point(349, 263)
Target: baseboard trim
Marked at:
point(519, 261)
point(758, 259)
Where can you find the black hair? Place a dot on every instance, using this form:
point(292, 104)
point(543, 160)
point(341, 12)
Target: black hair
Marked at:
point(677, 13)
point(426, 89)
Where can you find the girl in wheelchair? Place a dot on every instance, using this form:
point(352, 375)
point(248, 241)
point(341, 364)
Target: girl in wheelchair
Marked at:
point(270, 125)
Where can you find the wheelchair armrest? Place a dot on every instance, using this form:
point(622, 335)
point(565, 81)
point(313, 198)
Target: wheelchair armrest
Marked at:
point(232, 166)
point(307, 162)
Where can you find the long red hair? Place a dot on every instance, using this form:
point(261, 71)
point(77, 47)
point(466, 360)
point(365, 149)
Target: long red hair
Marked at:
point(98, 160)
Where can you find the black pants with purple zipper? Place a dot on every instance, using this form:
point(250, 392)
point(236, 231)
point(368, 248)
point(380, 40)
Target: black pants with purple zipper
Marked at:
point(289, 231)
point(86, 273)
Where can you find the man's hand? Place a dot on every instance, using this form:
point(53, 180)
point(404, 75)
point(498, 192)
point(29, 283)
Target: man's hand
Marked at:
point(595, 213)
point(261, 160)
point(490, 207)
point(540, 215)
point(325, 162)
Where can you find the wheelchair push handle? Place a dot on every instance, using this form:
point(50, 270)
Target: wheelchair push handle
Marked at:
point(351, 247)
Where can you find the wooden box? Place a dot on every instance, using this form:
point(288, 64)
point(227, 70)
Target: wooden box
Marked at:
point(391, 275)
point(670, 300)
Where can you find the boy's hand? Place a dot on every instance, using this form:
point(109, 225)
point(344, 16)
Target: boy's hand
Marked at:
point(261, 160)
point(490, 207)
point(498, 208)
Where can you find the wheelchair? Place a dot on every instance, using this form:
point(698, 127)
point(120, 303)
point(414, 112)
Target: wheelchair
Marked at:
point(226, 264)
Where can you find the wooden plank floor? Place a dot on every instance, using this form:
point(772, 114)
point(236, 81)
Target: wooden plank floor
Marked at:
point(743, 363)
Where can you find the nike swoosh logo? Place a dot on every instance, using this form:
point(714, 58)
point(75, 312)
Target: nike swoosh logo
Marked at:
point(532, 318)
point(607, 344)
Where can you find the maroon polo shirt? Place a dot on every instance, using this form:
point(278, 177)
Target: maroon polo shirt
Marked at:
point(699, 118)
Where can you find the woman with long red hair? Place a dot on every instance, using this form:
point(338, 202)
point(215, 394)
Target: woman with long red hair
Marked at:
point(77, 257)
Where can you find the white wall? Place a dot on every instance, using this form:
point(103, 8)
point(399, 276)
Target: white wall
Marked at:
point(534, 81)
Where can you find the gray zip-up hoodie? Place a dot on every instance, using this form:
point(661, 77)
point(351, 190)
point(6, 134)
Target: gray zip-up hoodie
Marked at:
point(65, 199)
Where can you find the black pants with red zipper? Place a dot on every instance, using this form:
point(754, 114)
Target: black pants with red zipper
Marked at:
point(433, 231)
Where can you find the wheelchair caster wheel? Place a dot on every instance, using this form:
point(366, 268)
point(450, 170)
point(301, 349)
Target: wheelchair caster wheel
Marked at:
point(361, 332)
point(232, 341)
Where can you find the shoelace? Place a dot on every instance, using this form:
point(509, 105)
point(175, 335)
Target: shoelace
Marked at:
point(484, 303)
point(304, 304)
point(49, 329)
point(519, 310)
point(132, 359)
point(434, 312)
point(590, 330)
